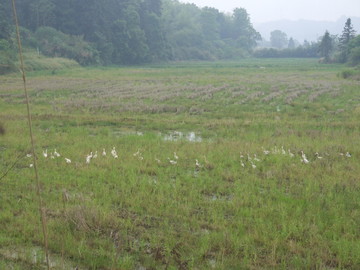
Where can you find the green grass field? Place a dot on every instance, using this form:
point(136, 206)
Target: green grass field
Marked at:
point(209, 171)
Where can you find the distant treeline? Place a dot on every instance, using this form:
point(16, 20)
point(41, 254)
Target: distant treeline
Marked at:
point(106, 32)
point(129, 31)
point(335, 48)
point(302, 51)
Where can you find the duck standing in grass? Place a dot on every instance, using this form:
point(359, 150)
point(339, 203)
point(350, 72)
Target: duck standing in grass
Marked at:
point(303, 158)
point(114, 153)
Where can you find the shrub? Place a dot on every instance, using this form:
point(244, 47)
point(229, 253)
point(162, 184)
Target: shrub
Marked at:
point(300, 51)
point(349, 73)
point(354, 56)
point(7, 57)
point(57, 44)
point(33, 61)
point(28, 38)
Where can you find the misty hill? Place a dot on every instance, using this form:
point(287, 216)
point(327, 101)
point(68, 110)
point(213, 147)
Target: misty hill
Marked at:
point(306, 29)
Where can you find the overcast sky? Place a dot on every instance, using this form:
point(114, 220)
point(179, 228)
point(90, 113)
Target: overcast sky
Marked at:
point(270, 10)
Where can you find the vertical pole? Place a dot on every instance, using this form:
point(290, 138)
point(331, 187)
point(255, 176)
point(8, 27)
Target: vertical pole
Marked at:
point(38, 188)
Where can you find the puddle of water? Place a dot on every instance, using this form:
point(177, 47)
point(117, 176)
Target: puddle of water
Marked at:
point(178, 135)
point(170, 136)
point(120, 133)
point(192, 137)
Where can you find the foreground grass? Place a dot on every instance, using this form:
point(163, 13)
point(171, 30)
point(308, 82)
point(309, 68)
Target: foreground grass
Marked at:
point(139, 211)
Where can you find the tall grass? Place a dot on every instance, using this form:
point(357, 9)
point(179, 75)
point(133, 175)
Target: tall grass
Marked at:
point(35, 62)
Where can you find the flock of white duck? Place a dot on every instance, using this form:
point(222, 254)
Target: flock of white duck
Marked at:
point(250, 160)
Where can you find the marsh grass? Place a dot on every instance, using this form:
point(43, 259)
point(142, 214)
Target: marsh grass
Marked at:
point(139, 213)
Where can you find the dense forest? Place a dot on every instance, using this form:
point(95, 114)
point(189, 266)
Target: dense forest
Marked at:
point(130, 31)
point(133, 32)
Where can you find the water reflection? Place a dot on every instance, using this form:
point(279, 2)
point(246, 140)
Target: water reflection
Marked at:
point(169, 136)
point(178, 135)
point(120, 133)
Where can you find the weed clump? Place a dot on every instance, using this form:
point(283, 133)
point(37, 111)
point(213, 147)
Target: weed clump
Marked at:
point(2, 129)
point(349, 74)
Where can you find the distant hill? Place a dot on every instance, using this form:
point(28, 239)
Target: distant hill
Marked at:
point(306, 29)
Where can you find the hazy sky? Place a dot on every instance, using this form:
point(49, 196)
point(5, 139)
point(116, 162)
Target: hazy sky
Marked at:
point(270, 10)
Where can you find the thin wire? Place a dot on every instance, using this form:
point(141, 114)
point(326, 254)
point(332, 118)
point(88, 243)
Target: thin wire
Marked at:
point(38, 189)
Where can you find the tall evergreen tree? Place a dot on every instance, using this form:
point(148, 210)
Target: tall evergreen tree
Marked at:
point(291, 44)
point(347, 35)
point(326, 46)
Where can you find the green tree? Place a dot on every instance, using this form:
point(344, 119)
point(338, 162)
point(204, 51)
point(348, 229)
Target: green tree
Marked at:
point(7, 48)
point(57, 44)
point(326, 46)
point(354, 51)
point(183, 30)
point(347, 35)
point(291, 44)
point(153, 6)
point(209, 23)
point(150, 22)
point(244, 33)
point(225, 26)
point(129, 39)
point(278, 39)
point(306, 44)
point(7, 56)
point(5, 27)
point(42, 13)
